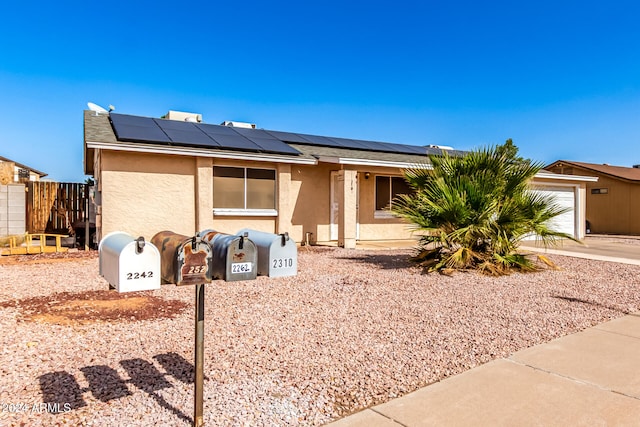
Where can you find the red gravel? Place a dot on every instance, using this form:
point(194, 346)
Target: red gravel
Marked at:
point(353, 329)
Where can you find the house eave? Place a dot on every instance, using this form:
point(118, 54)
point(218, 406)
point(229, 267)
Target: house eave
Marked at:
point(561, 177)
point(189, 151)
point(371, 163)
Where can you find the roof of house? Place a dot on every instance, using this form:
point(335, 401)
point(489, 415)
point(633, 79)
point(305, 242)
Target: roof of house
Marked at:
point(20, 165)
point(135, 133)
point(622, 172)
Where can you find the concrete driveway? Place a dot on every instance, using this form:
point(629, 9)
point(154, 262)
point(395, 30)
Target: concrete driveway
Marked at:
point(623, 249)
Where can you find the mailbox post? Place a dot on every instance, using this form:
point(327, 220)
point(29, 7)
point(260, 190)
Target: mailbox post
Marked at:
point(198, 380)
point(187, 261)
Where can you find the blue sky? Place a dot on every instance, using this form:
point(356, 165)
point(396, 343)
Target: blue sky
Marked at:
point(562, 79)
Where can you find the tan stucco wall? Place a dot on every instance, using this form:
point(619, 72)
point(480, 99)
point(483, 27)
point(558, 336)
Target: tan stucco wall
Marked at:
point(231, 225)
point(310, 196)
point(618, 211)
point(143, 194)
point(204, 194)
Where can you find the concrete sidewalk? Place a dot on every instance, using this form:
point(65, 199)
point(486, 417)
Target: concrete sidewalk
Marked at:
point(586, 379)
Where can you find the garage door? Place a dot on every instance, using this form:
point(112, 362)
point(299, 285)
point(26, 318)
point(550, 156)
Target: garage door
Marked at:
point(565, 198)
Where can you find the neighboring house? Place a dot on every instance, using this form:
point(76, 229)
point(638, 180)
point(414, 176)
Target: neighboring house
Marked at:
point(613, 202)
point(178, 174)
point(13, 172)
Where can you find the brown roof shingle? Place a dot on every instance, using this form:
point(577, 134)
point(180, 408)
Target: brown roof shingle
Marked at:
point(623, 172)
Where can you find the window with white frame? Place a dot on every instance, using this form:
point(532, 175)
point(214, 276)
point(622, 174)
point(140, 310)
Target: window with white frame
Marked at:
point(387, 188)
point(237, 188)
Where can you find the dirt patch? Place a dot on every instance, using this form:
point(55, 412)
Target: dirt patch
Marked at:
point(47, 258)
point(83, 308)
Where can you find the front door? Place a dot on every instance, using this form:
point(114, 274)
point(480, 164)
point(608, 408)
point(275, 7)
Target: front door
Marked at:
point(335, 208)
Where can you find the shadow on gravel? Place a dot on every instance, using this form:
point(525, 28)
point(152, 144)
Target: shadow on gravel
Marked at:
point(387, 262)
point(61, 390)
point(584, 301)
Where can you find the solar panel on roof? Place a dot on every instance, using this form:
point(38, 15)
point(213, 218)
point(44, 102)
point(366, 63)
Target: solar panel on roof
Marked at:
point(185, 133)
point(145, 129)
point(415, 149)
point(355, 144)
point(288, 137)
point(274, 146)
point(266, 141)
point(323, 140)
point(134, 128)
point(235, 142)
point(358, 144)
point(216, 129)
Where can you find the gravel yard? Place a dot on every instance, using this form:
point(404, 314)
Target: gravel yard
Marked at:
point(353, 329)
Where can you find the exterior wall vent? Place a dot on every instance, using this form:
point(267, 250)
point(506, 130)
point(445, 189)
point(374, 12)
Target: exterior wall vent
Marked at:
point(239, 124)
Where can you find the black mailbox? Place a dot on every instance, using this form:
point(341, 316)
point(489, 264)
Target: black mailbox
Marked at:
point(234, 257)
point(184, 260)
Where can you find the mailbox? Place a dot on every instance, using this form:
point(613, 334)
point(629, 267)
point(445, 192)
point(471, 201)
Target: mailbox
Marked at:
point(184, 260)
point(129, 264)
point(277, 253)
point(234, 257)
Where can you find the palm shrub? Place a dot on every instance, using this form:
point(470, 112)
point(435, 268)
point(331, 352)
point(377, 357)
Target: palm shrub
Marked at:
point(474, 209)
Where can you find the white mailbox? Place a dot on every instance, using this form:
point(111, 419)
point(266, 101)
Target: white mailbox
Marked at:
point(129, 264)
point(277, 253)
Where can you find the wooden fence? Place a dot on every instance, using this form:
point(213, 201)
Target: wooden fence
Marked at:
point(53, 207)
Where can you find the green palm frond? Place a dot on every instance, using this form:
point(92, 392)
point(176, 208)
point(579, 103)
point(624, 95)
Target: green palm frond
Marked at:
point(476, 208)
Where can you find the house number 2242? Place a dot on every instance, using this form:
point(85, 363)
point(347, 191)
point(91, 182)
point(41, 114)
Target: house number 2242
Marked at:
point(137, 275)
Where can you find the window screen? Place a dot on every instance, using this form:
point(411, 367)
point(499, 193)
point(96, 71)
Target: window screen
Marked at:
point(261, 189)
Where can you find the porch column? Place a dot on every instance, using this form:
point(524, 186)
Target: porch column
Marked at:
point(347, 190)
point(204, 193)
point(285, 203)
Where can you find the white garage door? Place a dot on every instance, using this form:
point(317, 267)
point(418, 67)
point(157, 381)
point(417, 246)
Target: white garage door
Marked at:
point(564, 197)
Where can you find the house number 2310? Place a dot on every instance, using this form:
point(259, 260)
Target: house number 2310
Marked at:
point(282, 263)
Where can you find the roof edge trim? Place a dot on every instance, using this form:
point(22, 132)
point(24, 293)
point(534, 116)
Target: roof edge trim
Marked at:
point(366, 162)
point(551, 175)
point(186, 151)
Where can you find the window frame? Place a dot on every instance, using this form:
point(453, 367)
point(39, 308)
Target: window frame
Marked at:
point(384, 213)
point(246, 211)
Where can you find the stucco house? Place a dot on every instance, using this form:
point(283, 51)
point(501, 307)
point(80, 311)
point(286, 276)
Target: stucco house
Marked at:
point(177, 173)
point(613, 201)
